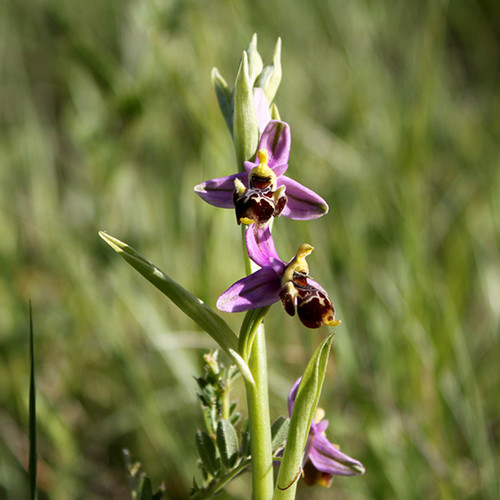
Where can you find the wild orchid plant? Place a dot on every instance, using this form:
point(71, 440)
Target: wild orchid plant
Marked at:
point(258, 193)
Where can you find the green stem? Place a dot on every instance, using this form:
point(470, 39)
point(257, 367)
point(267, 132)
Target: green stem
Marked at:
point(259, 420)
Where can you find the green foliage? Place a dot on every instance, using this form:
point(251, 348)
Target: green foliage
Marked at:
point(107, 121)
point(139, 482)
point(227, 442)
point(279, 432)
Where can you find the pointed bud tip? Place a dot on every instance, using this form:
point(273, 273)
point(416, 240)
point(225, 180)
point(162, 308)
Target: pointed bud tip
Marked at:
point(358, 469)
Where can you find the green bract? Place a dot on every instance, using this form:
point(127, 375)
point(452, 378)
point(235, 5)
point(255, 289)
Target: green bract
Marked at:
point(300, 423)
point(245, 127)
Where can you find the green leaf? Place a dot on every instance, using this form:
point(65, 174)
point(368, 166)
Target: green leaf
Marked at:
point(279, 432)
point(245, 440)
point(145, 490)
point(159, 494)
point(251, 322)
point(245, 127)
point(300, 422)
point(223, 97)
point(227, 442)
point(207, 452)
point(192, 306)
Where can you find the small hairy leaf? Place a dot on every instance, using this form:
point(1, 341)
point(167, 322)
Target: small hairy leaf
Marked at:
point(207, 452)
point(227, 442)
point(145, 490)
point(245, 440)
point(279, 432)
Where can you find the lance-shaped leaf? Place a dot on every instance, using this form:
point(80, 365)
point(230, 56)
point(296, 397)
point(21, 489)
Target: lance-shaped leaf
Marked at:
point(223, 97)
point(227, 442)
point(192, 306)
point(300, 422)
point(279, 432)
point(145, 491)
point(245, 439)
point(208, 453)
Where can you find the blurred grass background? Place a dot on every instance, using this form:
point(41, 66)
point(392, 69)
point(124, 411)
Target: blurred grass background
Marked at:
point(108, 120)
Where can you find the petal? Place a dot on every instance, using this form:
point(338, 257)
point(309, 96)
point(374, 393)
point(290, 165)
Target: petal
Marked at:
point(320, 427)
point(328, 458)
point(261, 249)
point(260, 289)
point(219, 192)
point(261, 108)
point(303, 203)
point(292, 395)
point(276, 139)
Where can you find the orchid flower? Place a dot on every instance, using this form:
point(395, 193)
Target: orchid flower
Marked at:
point(289, 282)
point(323, 459)
point(262, 191)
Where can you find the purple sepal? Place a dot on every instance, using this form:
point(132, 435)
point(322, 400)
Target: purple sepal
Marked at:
point(303, 203)
point(261, 249)
point(219, 192)
point(326, 457)
point(260, 289)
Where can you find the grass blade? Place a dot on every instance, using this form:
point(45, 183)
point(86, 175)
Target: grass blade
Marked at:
point(32, 414)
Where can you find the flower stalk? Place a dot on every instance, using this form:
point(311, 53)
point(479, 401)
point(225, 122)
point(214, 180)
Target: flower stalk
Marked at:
point(260, 421)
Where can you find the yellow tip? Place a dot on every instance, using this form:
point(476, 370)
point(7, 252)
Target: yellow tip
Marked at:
point(304, 250)
point(263, 155)
point(334, 322)
point(246, 221)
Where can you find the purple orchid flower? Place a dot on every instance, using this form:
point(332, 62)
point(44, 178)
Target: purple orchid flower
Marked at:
point(323, 459)
point(262, 191)
point(277, 280)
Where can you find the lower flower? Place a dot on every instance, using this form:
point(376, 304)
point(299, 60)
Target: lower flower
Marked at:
point(290, 283)
point(323, 459)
